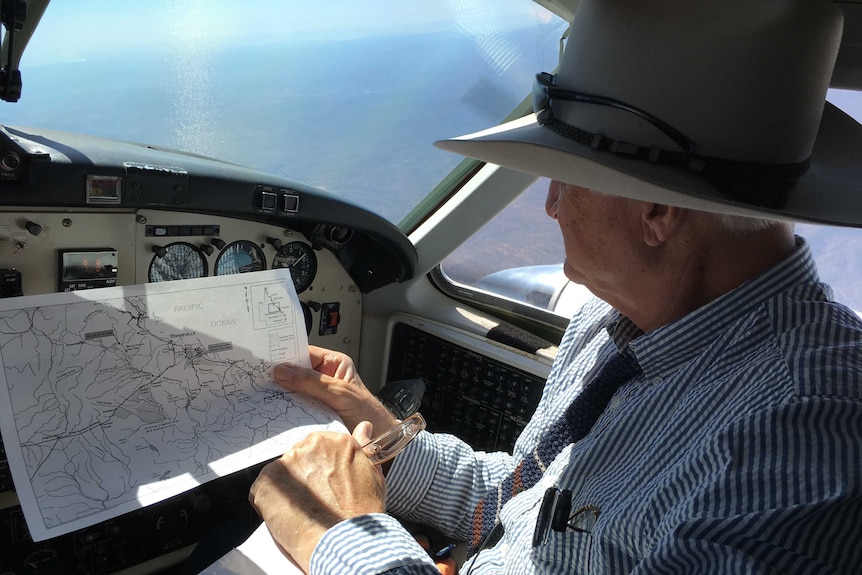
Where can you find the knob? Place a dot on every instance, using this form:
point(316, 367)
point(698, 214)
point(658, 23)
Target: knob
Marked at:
point(172, 523)
point(274, 242)
point(207, 249)
point(10, 161)
point(160, 251)
point(202, 503)
point(218, 243)
point(338, 234)
point(33, 228)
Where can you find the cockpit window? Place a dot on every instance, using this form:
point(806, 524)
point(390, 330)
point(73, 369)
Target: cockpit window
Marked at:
point(346, 95)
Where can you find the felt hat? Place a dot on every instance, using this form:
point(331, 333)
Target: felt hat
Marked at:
point(711, 105)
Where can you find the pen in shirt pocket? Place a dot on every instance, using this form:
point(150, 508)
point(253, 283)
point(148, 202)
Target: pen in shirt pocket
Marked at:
point(556, 514)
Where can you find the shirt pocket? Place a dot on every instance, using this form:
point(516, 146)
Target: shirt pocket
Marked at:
point(567, 552)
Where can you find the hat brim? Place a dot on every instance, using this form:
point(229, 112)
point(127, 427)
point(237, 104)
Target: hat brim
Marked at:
point(829, 193)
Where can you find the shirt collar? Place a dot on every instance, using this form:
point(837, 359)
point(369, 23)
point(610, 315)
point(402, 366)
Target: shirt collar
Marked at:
point(663, 350)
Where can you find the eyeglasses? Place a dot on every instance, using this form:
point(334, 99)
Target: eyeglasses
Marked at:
point(393, 441)
point(545, 91)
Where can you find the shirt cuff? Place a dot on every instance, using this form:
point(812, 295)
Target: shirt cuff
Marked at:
point(366, 545)
point(411, 475)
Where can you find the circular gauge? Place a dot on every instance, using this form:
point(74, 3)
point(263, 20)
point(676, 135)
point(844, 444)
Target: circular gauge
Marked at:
point(178, 261)
point(300, 259)
point(240, 257)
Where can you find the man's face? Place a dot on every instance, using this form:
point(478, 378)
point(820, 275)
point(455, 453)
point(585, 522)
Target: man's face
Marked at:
point(600, 235)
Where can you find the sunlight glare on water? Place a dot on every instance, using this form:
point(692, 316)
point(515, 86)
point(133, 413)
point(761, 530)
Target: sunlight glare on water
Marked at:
point(190, 56)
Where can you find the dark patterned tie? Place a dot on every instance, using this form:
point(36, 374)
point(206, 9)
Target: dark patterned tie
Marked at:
point(575, 423)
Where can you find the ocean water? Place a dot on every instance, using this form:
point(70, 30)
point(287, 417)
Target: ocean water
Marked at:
point(357, 118)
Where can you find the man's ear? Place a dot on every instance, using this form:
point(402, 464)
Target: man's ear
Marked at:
point(660, 222)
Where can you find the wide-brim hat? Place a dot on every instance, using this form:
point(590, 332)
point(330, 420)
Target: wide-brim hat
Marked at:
point(744, 82)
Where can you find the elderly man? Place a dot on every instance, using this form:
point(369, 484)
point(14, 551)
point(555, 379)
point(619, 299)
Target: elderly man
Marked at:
point(703, 415)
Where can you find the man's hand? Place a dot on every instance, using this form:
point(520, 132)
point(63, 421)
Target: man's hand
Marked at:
point(333, 380)
point(324, 479)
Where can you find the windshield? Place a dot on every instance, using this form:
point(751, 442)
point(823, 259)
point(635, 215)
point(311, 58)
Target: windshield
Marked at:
point(346, 95)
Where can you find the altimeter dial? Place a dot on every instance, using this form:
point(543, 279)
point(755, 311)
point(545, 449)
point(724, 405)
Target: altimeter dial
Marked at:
point(301, 260)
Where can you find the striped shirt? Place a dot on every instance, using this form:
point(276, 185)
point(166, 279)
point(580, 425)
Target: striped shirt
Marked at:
point(739, 450)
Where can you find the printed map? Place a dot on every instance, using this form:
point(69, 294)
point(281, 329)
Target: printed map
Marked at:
point(117, 398)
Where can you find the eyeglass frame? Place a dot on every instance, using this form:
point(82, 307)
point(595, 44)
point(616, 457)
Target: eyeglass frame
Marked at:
point(393, 441)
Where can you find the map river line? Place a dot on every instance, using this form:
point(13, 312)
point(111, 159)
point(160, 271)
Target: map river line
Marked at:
point(119, 402)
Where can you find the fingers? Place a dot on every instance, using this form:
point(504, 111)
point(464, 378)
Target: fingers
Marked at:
point(295, 378)
point(362, 432)
point(346, 398)
point(328, 367)
point(322, 480)
point(334, 381)
point(332, 363)
point(325, 467)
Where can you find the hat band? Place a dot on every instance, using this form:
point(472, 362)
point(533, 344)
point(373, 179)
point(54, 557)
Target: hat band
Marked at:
point(758, 184)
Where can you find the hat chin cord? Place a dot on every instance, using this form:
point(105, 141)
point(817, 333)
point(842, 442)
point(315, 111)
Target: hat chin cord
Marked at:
point(751, 183)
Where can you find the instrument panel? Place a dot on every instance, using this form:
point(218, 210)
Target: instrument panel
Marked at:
point(184, 260)
point(48, 251)
point(80, 212)
point(85, 250)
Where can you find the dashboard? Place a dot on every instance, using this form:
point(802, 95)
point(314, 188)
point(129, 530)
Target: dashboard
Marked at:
point(78, 212)
point(48, 251)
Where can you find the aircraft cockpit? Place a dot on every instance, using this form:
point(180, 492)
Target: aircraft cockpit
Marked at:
point(168, 140)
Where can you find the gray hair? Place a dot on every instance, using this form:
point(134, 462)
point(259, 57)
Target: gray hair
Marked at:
point(734, 224)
